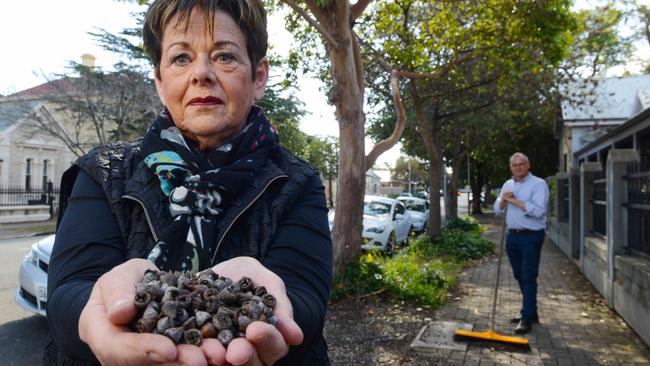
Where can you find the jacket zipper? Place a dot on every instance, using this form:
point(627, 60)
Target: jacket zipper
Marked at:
point(249, 204)
point(146, 215)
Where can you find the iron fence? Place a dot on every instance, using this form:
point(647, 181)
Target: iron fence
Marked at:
point(599, 203)
point(638, 208)
point(11, 196)
point(563, 186)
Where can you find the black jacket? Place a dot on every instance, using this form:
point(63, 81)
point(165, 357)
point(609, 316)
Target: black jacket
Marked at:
point(254, 224)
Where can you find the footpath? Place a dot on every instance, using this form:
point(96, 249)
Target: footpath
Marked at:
point(576, 326)
point(25, 229)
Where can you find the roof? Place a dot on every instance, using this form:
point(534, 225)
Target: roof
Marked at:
point(611, 99)
point(48, 88)
point(10, 112)
point(387, 200)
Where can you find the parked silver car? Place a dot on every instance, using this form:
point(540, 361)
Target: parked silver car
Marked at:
point(418, 208)
point(31, 294)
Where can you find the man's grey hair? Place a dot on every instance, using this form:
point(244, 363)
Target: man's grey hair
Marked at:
point(519, 155)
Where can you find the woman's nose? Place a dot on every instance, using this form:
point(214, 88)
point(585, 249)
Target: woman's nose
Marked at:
point(202, 72)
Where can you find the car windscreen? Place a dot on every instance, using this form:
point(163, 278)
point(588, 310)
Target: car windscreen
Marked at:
point(374, 208)
point(414, 206)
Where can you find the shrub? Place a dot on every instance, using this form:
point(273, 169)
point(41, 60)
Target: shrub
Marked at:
point(466, 223)
point(463, 245)
point(359, 278)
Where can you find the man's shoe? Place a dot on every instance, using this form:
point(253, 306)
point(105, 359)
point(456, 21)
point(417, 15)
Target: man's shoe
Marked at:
point(523, 327)
point(516, 320)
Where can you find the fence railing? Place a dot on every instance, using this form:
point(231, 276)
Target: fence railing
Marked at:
point(638, 208)
point(599, 203)
point(20, 196)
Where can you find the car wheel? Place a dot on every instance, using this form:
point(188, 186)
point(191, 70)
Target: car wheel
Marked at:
point(390, 245)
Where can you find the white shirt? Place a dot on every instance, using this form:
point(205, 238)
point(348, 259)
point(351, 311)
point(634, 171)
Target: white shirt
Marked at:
point(533, 191)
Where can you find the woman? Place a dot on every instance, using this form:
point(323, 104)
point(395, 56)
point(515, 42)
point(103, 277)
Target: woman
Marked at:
point(208, 186)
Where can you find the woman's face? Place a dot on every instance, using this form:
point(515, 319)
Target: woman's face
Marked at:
point(206, 80)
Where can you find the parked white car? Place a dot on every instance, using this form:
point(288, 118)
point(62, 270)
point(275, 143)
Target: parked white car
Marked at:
point(385, 224)
point(418, 208)
point(31, 294)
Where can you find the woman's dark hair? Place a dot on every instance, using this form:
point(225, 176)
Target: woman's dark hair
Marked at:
point(248, 14)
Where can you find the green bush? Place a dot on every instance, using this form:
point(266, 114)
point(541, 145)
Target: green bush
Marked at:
point(467, 223)
point(359, 278)
point(463, 245)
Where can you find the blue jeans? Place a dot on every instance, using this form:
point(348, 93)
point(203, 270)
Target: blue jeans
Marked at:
point(524, 251)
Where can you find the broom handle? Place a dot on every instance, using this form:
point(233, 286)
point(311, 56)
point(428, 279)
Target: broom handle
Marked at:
point(496, 283)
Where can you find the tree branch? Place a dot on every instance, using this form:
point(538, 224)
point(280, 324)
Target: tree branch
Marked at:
point(357, 9)
point(313, 22)
point(386, 144)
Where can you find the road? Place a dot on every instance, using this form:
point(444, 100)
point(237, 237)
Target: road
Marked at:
point(23, 336)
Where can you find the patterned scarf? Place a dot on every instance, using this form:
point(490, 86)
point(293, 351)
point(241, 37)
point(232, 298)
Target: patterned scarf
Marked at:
point(200, 184)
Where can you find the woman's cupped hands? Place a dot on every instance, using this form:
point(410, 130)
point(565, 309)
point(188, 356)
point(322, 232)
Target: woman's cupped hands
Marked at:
point(104, 321)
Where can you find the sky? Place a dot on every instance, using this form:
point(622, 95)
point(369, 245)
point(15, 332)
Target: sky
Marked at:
point(39, 37)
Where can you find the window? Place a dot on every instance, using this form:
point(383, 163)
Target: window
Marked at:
point(28, 173)
point(399, 208)
point(46, 164)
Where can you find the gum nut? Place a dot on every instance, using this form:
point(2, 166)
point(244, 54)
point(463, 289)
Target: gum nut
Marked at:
point(170, 309)
point(151, 312)
point(184, 300)
point(150, 275)
point(225, 336)
point(169, 279)
point(175, 334)
point(245, 283)
point(154, 288)
point(273, 320)
point(210, 293)
point(206, 281)
point(193, 337)
point(170, 293)
point(269, 300)
point(208, 330)
point(146, 325)
point(142, 299)
point(190, 323)
point(202, 317)
point(163, 324)
point(259, 291)
point(243, 322)
point(219, 284)
point(182, 316)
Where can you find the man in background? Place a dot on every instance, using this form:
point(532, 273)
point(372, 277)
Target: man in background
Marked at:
point(526, 199)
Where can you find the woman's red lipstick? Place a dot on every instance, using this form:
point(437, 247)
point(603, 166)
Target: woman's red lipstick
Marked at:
point(205, 101)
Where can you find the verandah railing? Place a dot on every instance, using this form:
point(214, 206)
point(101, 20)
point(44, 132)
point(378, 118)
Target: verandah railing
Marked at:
point(599, 203)
point(638, 208)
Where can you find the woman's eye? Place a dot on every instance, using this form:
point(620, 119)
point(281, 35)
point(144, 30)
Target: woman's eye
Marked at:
point(224, 57)
point(180, 60)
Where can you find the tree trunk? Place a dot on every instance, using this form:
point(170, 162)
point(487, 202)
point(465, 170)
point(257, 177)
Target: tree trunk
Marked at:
point(453, 189)
point(347, 97)
point(435, 162)
point(476, 183)
point(330, 204)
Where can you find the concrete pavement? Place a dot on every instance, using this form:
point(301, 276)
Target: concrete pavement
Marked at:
point(576, 326)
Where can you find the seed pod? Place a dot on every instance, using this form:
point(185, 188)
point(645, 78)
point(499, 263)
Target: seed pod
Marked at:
point(227, 297)
point(269, 300)
point(170, 294)
point(142, 299)
point(169, 279)
point(208, 273)
point(190, 323)
point(146, 325)
point(223, 319)
point(150, 275)
point(273, 320)
point(175, 334)
point(163, 324)
point(199, 288)
point(220, 284)
point(183, 281)
point(225, 336)
point(184, 301)
point(212, 305)
point(193, 337)
point(198, 304)
point(170, 309)
point(245, 284)
point(182, 316)
point(243, 296)
point(259, 291)
point(243, 321)
point(155, 290)
point(208, 330)
point(205, 280)
point(210, 293)
point(151, 312)
point(202, 317)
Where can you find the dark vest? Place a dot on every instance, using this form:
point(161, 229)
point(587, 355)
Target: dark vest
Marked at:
point(246, 227)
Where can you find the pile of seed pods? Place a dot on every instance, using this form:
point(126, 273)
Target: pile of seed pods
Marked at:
point(189, 307)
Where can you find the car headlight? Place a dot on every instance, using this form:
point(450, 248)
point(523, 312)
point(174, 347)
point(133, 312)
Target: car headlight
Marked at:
point(376, 229)
point(31, 256)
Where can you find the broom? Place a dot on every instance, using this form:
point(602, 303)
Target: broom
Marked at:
point(491, 334)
